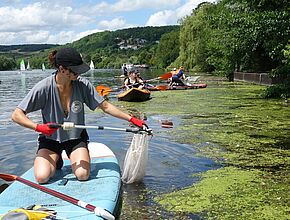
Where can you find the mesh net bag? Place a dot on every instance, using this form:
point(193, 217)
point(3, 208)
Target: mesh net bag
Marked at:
point(135, 162)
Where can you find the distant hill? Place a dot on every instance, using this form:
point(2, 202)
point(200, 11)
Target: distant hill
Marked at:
point(130, 38)
point(107, 49)
point(25, 48)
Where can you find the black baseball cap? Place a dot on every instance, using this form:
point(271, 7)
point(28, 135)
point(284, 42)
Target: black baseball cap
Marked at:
point(70, 58)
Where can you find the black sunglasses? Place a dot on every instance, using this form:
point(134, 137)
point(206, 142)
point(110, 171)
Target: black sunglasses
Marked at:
point(75, 74)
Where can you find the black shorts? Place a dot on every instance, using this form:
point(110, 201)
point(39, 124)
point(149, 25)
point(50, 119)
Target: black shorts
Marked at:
point(178, 81)
point(69, 146)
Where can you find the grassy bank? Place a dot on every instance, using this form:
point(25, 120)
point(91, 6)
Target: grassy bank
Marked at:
point(230, 123)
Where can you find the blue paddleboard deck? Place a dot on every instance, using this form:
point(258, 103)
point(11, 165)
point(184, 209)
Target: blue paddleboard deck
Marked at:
point(103, 189)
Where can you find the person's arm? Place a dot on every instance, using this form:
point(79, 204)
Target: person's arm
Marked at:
point(183, 75)
point(114, 111)
point(21, 118)
point(126, 82)
point(139, 80)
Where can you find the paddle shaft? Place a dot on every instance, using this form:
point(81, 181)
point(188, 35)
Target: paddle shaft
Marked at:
point(97, 210)
point(57, 194)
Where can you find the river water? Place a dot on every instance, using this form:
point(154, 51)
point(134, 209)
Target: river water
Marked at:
point(169, 167)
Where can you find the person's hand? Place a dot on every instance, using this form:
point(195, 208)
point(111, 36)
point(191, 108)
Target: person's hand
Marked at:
point(137, 122)
point(141, 124)
point(45, 129)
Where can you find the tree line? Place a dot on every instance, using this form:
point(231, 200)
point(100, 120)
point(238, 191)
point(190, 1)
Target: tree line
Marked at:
point(220, 38)
point(238, 35)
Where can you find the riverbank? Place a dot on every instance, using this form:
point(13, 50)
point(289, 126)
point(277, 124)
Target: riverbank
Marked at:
point(247, 135)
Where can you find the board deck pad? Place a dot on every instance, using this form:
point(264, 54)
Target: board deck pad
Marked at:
point(101, 190)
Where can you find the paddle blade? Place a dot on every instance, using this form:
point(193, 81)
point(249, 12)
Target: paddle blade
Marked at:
point(165, 76)
point(103, 90)
point(8, 177)
point(162, 87)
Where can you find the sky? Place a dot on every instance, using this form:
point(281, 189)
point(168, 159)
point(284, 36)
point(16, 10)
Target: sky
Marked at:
point(65, 21)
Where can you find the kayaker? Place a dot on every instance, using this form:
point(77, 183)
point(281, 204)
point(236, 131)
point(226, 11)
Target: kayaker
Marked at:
point(174, 71)
point(133, 81)
point(177, 78)
point(125, 70)
point(61, 98)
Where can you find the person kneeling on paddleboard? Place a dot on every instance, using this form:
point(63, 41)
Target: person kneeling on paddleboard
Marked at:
point(176, 79)
point(61, 98)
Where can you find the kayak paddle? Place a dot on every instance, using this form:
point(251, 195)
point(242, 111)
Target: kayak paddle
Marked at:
point(97, 210)
point(103, 90)
point(164, 76)
point(162, 87)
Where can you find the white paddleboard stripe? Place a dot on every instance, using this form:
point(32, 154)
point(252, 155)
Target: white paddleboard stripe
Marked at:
point(82, 204)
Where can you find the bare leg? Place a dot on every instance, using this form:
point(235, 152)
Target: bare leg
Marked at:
point(44, 165)
point(80, 162)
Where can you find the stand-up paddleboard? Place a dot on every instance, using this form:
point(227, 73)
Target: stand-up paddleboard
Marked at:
point(103, 189)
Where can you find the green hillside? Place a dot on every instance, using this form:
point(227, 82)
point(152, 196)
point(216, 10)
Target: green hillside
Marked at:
point(107, 49)
point(25, 48)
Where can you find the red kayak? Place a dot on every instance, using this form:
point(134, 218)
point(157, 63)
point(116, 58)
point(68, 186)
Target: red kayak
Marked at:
point(166, 87)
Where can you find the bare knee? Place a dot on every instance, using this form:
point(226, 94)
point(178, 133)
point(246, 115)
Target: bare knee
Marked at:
point(41, 178)
point(82, 174)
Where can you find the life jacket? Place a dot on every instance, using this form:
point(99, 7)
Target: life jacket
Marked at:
point(34, 212)
point(178, 74)
point(133, 83)
point(174, 72)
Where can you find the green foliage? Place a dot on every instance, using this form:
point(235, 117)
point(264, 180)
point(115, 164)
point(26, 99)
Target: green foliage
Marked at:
point(194, 35)
point(262, 4)
point(168, 49)
point(241, 35)
point(287, 54)
point(36, 62)
point(104, 47)
point(7, 63)
point(26, 47)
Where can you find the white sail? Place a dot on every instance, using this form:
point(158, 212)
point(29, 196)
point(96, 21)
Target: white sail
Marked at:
point(28, 66)
point(43, 67)
point(92, 66)
point(22, 65)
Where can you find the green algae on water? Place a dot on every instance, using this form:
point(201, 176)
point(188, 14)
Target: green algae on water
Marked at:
point(230, 193)
point(231, 123)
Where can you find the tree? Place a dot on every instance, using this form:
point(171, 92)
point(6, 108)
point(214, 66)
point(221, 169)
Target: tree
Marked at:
point(168, 49)
point(6, 63)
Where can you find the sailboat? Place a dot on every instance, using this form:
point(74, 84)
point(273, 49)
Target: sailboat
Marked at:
point(43, 67)
point(92, 66)
point(22, 65)
point(28, 66)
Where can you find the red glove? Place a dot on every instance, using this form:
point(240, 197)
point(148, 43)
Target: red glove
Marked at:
point(137, 122)
point(45, 129)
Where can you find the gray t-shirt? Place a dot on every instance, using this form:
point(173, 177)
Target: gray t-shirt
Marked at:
point(44, 96)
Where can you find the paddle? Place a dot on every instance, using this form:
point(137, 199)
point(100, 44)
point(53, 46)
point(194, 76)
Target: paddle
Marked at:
point(70, 125)
point(164, 76)
point(162, 87)
point(103, 90)
point(97, 210)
